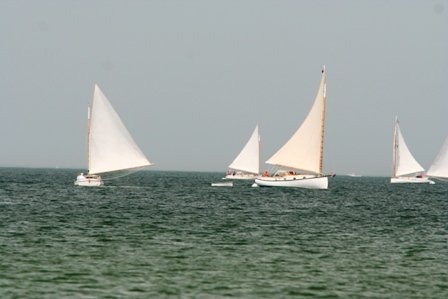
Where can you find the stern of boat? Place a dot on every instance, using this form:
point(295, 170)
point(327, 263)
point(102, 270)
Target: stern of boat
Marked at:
point(89, 181)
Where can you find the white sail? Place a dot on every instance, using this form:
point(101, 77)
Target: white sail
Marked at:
point(439, 168)
point(248, 159)
point(111, 147)
point(304, 150)
point(403, 161)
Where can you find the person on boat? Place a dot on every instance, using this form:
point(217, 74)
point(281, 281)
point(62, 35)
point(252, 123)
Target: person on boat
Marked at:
point(80, 177)
point(265, 173)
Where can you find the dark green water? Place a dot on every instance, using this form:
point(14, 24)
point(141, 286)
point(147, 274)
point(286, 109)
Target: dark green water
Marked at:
point(172, 235)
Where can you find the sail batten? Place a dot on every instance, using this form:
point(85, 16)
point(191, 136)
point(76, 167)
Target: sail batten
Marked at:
point(111, 147)
point(439, 168)
point(404, 162)
point(248, 159)
point(304, 150)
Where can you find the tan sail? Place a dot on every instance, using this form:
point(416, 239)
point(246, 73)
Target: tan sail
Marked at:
point(304, 151)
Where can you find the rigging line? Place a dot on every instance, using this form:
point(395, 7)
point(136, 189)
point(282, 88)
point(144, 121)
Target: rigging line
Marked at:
point(129, 172)
point(440, 179)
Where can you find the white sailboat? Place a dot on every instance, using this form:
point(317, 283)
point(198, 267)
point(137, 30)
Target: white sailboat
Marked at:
point(405, 168)
point(354, 175)
point(302, 156)
point(246, 165)
point(110, 146)
point(439, 168)
point(222, 184)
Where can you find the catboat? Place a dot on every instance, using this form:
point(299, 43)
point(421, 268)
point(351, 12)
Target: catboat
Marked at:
point(354, 175)
point(405, 168)
point(110, 147)
point(246, 165)
point(300, 159)
point(222, 184)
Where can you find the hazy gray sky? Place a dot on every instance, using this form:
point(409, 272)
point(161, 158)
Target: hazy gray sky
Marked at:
point(191, 79)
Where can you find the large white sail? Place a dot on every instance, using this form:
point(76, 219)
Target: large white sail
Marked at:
point(304, 150)
point(439, 168)
point(248, 159)
point(404, 162)
point(111, 147)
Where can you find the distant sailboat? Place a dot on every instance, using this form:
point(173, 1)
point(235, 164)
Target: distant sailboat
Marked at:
point(354, 175)
point(110, 146)
point(405, 168)
point(439, 168)
point(246, 165)
point(303, 152)
point(222, 184)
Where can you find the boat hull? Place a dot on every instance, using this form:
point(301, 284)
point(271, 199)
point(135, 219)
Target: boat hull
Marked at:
point(411, 180)
point(223, 184)
point(95, 181)
point(295, 181)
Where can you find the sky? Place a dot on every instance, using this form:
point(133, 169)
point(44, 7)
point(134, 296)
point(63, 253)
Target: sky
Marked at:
point(191, 79)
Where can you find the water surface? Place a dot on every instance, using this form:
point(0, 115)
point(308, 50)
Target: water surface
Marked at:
point(171, 235)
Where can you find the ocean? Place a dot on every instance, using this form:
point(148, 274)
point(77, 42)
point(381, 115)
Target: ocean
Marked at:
point(157, 234)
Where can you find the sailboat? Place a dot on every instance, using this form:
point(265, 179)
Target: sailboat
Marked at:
point(300, 159)
point(110, 147)
point(439, 168)
point(354, 175)
point(405, 168)
point(246, 165)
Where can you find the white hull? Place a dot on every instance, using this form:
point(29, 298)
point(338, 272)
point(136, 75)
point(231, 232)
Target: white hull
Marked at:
point(224, 184)
point(297, 181)
point(412, 180)
point(241, 177)
point(354, 175)
point(95, 181)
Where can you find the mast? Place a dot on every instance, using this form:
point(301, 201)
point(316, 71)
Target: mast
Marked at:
point(304, 150)
point(259, 154)
point(395, 149)
point(89, 114)
point(324, 72)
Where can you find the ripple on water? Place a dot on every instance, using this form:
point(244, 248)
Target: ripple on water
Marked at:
point(170, 234)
